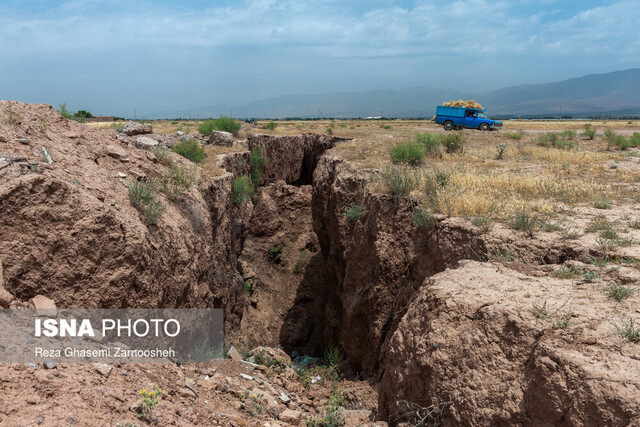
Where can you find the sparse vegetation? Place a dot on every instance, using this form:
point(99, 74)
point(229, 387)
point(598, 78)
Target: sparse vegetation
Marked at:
point(149, 400)
point(354, 212)
point(410, 153)
point(453, 143)
point(484, 223)
point(274, 252)
point(430, 142)
point(177, 180)
point(143, 197)
point(558, 318)
point(222, 123)
point(500, 151)
point(399, 181)
point(422, 218)
point(190, 149)
point(258, 163)
point(517, 136)
point(242, 190)
point(333, 416)
point(271, 126)
point(589, 132)
point(627, 329)
point(526, 221)
point(301, 263)
point(618, 291)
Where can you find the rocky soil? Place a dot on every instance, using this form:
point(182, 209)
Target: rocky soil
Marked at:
point(434, 324)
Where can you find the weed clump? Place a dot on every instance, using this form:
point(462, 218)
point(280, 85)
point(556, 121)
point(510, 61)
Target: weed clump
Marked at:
point(274, 252)
point(354, 212)
point(430, 142)
point(524, 220)
point(410, 153)
point(258, 163)
point(242, 189)
point(618, 291)
point(222, 123)
point(149, 400)
point(589, 132)
point(627, 329)
point(422, 218)
point(143, 197)
point(453, 143)
point(271, 126)
point(190, 149)
point(399, 181)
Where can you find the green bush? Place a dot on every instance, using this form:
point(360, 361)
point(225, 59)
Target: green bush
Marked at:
point(271, 126)
point(330, 130)
point(410, 153)
point(354, 212)
point(431, 143)
point(399, 181)
point(556, 140)
point(162, 154)
point(453, 142)
point(242, 189)
point(635, 139)
point(222, 123)
point(525, 221)
point(190, 149)
point(177, 180)
point(274, 252)
point(258, 163)
point(422, 219)
point(515, 135)
point(568, 135)
point(589, 132)
point(143, 197)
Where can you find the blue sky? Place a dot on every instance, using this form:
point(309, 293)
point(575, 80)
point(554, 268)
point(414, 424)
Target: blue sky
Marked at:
point(111, 56)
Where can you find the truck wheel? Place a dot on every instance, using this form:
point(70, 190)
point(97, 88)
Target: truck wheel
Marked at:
point(484, 127)
point(448, 125)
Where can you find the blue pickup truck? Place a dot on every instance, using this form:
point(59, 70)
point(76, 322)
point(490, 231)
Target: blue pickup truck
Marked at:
point(460, 117)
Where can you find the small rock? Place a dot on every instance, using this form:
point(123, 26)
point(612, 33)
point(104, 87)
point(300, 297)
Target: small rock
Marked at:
point(43, 305)
point(5, 297)
point(23, 140)
point(103, 369)
point(234, 355)
point(49, 364)
point(116, 152)
point(290, 416)
point(284, 398)
point(134, 128)
point(247, 377)
point(145, 142)
point(122, 175)
point(221, 138)
point(4, 164)
point(179, 133)
point(187, 392)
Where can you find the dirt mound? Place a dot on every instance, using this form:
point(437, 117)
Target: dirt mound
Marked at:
point(462, 103)
point(483, 349)
point(69, 231)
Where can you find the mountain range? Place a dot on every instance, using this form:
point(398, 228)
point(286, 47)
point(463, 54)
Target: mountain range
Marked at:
point(615, 93)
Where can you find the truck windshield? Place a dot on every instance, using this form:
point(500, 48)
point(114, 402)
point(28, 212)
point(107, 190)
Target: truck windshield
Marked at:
point(482, 115)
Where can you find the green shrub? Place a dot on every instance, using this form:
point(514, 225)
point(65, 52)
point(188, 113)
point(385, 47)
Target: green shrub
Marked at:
point(431, 143)
point(399, 181)
point(330, 130)
point(332, 357)
point(568, 135)
point(333, 416)
point(190, 149)
point(301, 263)
point(453, 142)
point(604, 203)
point(635, 139)
point(589, 132)
point(618, 141)
point(271, 126)
point(354, 212)
point(274, 252)
point(177, 180)
point(515, 135)
point(627, 330)
point(258, 163)
point(548, 139)
point(162, 154)
point(386, 127)
point(562, 140)
point(222, 123)
point(242, 189)
point(143, 197)
point(410, 153)
point(422, 218)
point(523, 220)
point(618, 291)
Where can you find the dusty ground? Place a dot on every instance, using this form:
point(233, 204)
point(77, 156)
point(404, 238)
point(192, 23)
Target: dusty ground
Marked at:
point(491, 322)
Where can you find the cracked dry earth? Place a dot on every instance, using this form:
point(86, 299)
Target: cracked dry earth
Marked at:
point(473, 327)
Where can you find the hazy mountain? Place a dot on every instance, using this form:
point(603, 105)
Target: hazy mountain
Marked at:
point(611, 93)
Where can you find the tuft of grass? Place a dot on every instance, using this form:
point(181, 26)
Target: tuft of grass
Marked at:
point(301, 263)
point(162, 154)
point(143, 197)
point(517, 136)
point(258, 163)
point(410, 153)
point(627, 329)
point(484, 223)
point(177, 180)
point(562, 140)
point(431, 143)
point(604, 203)
point(274, 252)
point(453, 143)
point(566, 273)
point(618, 291)
point(399, 181)
point(332, 357)
point(330, 130)
point(524, 220)
point(271, 126)
point(503, 253)
point(589, 132)
point(559, 319)
point(422, 219)
point(190, 149)
point(242, 190)
point(354, 212)
point(222, 123)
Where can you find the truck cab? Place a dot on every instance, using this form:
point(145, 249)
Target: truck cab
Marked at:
point(460, 117)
